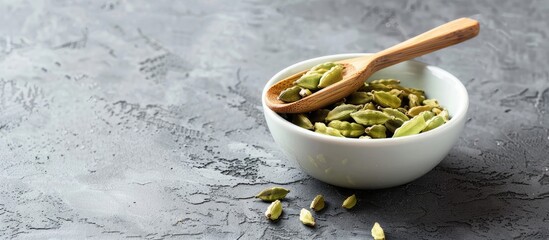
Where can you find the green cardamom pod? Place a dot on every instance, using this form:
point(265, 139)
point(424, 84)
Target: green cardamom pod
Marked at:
point(322, 128)
point(349, 202)
point(364, 137)
point(431, 102)
point(376, 131)
point(272, 194)
point(386, 81)
point(319, 71)
point(306, 217)
point(428, 115)
point(433, 123)
point(360, 98)
point(396, 114)
point(309, 81)
point(411, 127)
point(369, 106)
point(377, 232)
point(418, 109)
point(370, 117)
point(445, 115)
point(318, 203)
point(397, 93)
point(378, 87)
point(393, 124)
point(319, 115)
point(386, 99)
point(413, 100)
point(290, 94)
point(302, 121)
point(323, 66)
point(305, 92)
point(347, 129)
point(436, 110)
point(342, 112)
point(407, 91)
point(332, 76)
point(274, 210)
point(420, 93)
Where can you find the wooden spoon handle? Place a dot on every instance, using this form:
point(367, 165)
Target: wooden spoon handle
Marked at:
point(442, 36)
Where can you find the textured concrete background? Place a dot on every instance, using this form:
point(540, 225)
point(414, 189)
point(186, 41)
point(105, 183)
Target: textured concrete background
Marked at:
point(142, 119)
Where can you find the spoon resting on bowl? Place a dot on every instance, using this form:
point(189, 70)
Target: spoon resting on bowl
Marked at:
point(357, 70)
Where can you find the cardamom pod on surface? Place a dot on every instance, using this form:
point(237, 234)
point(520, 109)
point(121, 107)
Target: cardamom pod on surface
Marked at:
point(272, 194)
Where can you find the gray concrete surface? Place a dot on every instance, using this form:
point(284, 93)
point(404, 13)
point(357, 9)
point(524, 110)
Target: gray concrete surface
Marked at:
point(142, 119)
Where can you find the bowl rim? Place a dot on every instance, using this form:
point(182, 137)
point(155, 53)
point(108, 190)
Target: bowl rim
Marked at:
point(457, 117)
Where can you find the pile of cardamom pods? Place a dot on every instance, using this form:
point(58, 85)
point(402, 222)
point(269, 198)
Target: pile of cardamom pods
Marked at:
point(275, 194)
point(380, 109)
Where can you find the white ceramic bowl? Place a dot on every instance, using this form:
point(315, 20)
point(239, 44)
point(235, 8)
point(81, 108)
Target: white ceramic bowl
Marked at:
point(374, 163)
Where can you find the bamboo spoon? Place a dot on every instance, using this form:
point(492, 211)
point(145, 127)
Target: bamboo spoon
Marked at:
point(357, 70)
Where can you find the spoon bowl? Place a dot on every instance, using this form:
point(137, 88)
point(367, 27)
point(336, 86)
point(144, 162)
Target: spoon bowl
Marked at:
point(326, 95)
